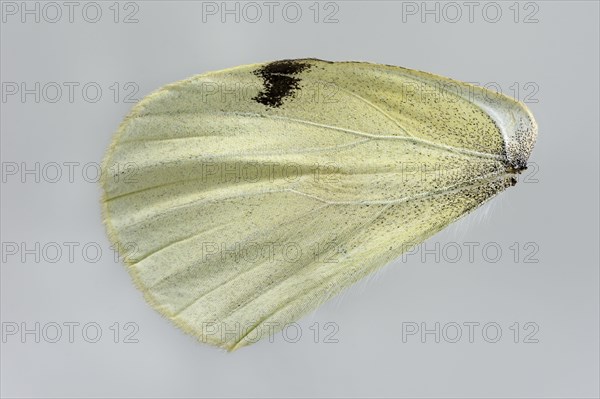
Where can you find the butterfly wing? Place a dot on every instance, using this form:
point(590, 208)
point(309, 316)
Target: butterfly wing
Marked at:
point(261, 191)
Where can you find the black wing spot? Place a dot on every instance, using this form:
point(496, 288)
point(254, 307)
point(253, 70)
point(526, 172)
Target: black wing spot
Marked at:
point(279, 81)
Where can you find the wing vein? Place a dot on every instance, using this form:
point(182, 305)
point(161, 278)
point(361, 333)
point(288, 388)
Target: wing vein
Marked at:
point(301, 271)
point(267, 230)
point(266, 154)
point(415, 140)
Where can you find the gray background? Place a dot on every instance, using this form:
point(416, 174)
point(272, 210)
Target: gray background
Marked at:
point(555, 211)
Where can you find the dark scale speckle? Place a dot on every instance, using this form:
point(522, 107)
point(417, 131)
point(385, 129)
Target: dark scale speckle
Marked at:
point(280, 81)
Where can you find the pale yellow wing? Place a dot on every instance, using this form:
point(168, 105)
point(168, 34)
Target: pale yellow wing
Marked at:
point(256, 193)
